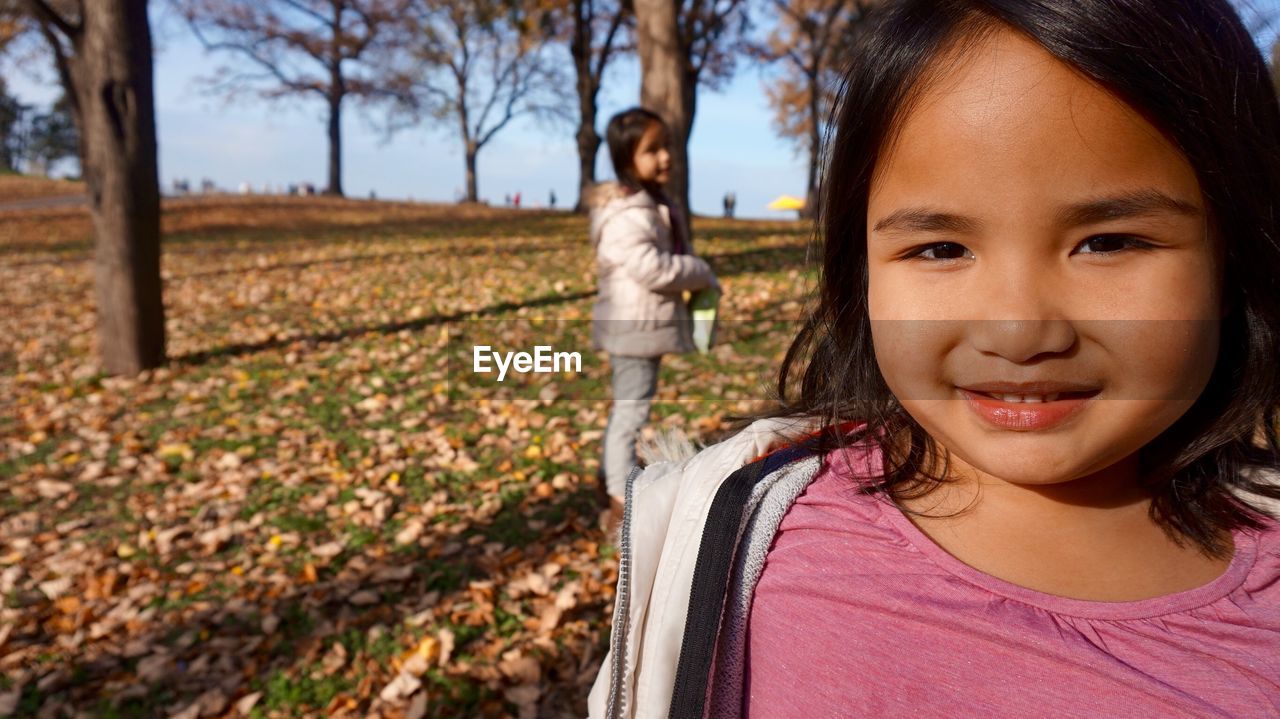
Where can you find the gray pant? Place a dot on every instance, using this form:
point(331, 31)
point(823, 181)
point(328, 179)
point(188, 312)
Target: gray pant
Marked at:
point(635, 381)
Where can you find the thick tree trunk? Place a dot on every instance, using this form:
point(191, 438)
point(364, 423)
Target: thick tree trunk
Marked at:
point(110, 77)
point(335, 146)
point(473, 193)
point(663, 87)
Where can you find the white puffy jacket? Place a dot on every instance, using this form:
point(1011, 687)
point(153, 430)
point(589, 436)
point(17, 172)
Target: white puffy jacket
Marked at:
point(640, 309)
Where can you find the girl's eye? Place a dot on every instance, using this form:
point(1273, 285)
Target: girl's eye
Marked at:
point(940, 251)
point(1110, 244)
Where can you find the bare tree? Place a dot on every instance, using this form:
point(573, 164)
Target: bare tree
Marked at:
point(328, 50)
point(485, 63)
point(811, 42)
point(598, 35)
point(102, 51)
point(684, 45)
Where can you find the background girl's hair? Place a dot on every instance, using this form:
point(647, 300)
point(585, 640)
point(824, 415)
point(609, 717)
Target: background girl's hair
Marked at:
point(623, 135)
point(1192, 69)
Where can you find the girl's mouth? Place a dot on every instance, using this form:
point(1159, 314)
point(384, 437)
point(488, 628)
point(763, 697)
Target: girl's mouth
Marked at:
point(1023, 411)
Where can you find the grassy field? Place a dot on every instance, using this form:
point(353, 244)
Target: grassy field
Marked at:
point(311, 511)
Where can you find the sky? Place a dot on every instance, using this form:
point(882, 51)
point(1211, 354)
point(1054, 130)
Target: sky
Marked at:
point(733, 146)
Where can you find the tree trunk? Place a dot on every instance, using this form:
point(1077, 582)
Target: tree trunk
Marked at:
point(588, 139)
point(110, 77)
point(473, 193)
point(335, 145)
point(663, 88)
point(680, 170)
point(815, 150)
point(588, 148)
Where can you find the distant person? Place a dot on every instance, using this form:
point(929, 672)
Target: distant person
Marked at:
point(506, 200)
point(551, 200)
point(515, 201)
point(644, 267)
point(730, 201)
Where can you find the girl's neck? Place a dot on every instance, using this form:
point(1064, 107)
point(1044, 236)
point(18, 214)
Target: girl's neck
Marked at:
point(1092, 538)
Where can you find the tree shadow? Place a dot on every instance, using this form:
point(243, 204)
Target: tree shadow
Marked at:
point(236, 350)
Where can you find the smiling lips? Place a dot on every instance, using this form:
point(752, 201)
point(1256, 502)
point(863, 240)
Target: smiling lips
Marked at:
point(1027, 408)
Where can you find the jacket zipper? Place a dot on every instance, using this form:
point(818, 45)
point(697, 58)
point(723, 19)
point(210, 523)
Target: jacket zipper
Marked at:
point(621, 613)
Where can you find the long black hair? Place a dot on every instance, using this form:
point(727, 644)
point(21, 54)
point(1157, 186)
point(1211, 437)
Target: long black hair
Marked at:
point(623, 135)
point(1192, 69)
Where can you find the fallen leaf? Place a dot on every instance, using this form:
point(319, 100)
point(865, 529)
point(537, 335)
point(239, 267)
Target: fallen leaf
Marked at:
point(400, 688)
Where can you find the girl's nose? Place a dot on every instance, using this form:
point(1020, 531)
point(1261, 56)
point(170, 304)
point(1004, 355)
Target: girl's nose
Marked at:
point(1022, 341)
point(1020, 318)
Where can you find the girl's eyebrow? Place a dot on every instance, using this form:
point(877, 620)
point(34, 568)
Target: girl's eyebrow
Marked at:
point(1130, 204)
point(918, 219)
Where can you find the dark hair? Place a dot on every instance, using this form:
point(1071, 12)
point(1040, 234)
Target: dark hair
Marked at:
point(623, 135)
point(1191, 68)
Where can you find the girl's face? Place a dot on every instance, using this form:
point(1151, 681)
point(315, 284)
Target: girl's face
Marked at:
point(652, 160)
point(1044, 289)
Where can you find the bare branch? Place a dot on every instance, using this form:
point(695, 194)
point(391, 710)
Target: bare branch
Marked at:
point(309, 12)
point(48, 16)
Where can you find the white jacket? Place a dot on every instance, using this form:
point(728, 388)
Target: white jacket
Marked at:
point(640, 309)
point(667, 507)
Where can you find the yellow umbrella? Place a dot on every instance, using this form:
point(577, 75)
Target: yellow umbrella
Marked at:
point(787, 202)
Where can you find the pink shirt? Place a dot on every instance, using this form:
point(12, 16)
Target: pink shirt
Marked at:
point(858, 613)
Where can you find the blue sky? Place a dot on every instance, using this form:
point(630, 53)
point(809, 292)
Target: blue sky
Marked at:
point(733, 145)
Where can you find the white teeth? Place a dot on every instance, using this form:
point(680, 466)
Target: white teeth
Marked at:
point(1026, 398)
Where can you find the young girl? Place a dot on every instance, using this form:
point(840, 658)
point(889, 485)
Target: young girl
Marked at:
point(1029, 461)
point(644, 267)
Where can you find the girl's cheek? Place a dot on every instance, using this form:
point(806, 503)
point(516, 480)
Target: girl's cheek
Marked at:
point(913, 355)
point(1167, 360)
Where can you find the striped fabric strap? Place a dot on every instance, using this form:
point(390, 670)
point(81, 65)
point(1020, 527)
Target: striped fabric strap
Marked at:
point(711, 578)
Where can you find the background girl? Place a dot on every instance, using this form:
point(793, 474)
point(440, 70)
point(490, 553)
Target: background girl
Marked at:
point(1042, 371)
point(644, 266)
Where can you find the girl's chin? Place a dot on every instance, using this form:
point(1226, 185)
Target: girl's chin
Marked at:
point(1035, 463)
point(1027, 476)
